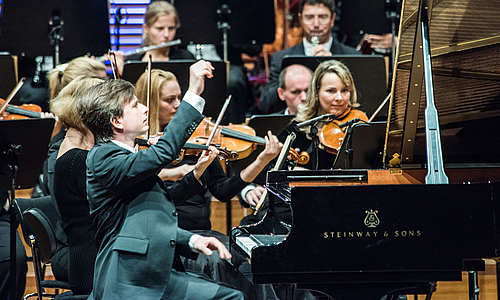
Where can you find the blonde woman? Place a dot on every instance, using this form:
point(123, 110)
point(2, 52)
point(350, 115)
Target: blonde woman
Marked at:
point(332, 91)
point(69, 188)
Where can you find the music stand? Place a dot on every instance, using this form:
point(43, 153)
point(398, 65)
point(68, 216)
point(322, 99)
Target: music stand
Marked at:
point(23, 149)
point(369, 73)
point(25, 27)
point(198, 22)
point(215, 91)
point(243, 22)
point(362, 147)
point(370, 16)
point(364, 16)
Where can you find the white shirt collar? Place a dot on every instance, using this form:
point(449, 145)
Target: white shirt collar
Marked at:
point(125, 146)
point(308, 47)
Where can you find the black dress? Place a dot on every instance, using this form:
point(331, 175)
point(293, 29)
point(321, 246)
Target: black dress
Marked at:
point(71, 197)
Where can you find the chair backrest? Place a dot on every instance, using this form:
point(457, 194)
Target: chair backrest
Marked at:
point(44, 234)
point(47, 206)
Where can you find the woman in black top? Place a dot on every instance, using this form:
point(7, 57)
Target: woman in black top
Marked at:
point(70, 186)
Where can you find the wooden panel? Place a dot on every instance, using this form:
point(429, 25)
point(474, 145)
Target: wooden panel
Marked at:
point(218, 217)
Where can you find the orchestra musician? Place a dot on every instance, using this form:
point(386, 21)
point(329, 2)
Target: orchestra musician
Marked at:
point(332, 91)
point(161, 22)
point(58, 78)
point(194, 213)
point(294, 83)
point(316, 19)
point(69, 189)
point(134, 216)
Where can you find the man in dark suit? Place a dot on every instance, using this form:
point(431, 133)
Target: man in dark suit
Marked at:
point(133, 213)
point(316, 18)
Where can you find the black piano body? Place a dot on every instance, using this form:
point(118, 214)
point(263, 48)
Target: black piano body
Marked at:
point(377, 239)
point(431, 228)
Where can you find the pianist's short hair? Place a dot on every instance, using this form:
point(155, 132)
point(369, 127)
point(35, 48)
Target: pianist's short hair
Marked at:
point(64, 105)
point(103, 102)
point(311, 107)
point(328, 3)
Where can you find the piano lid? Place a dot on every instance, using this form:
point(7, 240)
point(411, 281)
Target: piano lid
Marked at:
point(465, 51)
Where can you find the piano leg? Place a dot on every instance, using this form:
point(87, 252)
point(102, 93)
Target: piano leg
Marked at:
point(432, 289)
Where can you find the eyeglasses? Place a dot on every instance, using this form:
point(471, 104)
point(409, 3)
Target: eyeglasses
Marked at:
point(322, 19)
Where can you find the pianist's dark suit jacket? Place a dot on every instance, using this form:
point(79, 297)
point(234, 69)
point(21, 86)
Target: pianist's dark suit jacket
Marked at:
point(269, 101)
point(136, 220)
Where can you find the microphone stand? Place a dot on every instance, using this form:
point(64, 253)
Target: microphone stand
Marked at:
point(313, 131)
point(349, 149)
point(118, 19)
point(223, 12)
point(55, 36)
point(315, 144)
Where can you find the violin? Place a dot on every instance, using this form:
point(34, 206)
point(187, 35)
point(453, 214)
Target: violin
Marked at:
point(25, 111)
point(190, 149)
point(241, 140)
point(15, 112)
point(332, 136)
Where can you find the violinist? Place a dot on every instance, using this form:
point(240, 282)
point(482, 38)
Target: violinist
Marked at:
point(194, 213)
point(294, 82)
point(332, 91)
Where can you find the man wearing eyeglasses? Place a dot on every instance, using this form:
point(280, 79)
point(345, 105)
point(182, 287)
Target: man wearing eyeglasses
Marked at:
point(316, 18)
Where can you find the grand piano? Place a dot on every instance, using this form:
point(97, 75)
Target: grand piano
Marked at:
point(430, 213)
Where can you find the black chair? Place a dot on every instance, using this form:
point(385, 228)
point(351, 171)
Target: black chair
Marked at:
point(37, 217)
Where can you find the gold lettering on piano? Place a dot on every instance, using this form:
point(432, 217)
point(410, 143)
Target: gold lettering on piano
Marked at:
point(371, 234)
point(407, 233)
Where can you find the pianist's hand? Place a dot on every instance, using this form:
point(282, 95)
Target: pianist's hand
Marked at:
point(207, 244)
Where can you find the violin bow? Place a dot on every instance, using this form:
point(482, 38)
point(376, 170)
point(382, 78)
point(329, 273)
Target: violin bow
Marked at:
point(114, 66)
point(148, 91)
point(219, 119)
point(12, 94)
point(279, 163)
point(379, 107)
